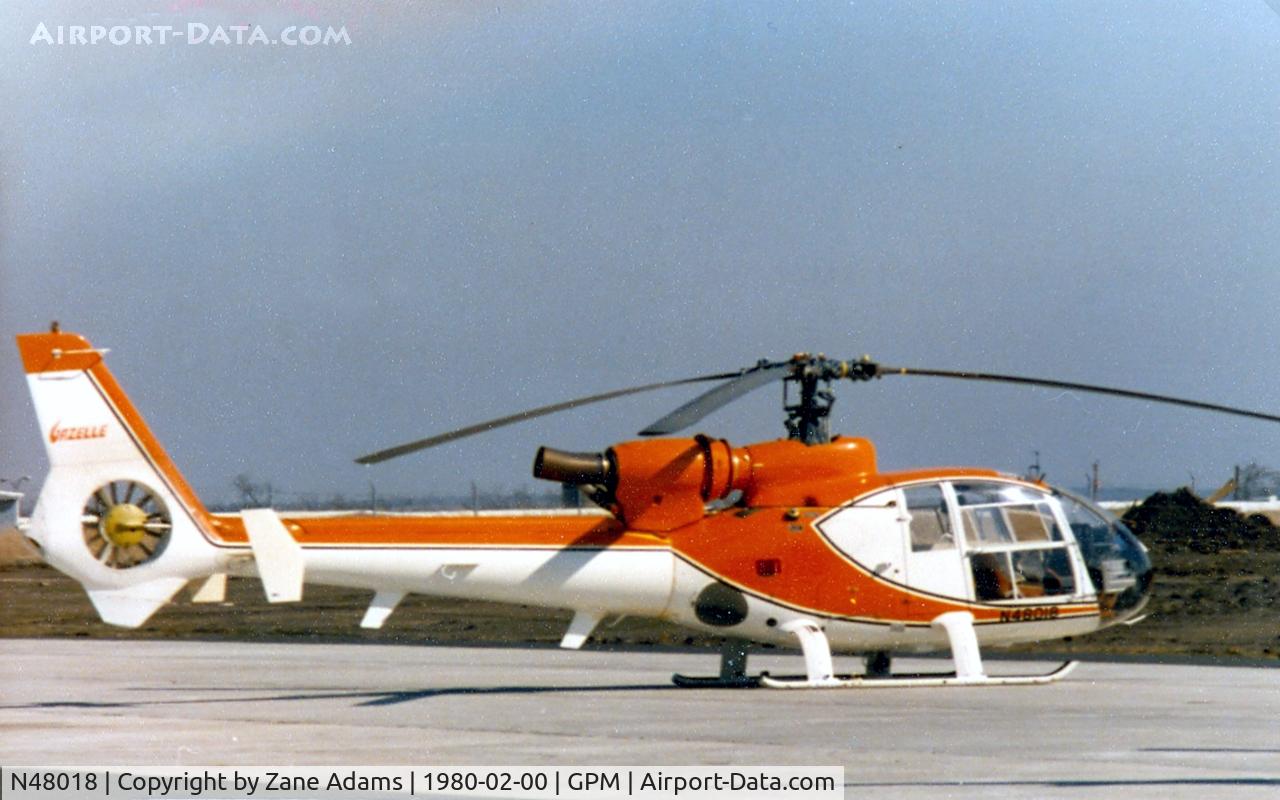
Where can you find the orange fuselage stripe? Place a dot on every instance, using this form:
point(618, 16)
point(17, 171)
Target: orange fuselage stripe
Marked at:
point(372, 530)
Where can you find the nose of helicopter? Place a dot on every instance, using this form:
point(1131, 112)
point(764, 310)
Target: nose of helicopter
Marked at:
point(1123, 574)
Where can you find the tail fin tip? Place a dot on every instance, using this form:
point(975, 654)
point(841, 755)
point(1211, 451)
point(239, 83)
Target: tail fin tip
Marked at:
point(56, 352)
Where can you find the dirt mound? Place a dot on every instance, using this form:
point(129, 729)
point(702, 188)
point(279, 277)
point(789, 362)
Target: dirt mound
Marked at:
point(15, 549)
point(1176, 520)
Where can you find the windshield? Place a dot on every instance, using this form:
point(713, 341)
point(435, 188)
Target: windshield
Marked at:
point(1118, 563)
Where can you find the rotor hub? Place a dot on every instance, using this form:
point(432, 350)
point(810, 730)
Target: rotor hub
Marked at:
point(124, 525)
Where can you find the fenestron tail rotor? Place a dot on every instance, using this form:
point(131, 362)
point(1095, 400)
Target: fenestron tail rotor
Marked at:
point(125, 524)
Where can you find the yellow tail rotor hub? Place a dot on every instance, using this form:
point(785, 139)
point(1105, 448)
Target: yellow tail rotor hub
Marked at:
point(124, 525)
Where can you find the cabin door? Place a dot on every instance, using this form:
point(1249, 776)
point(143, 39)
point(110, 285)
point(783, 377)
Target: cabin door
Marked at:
point(933, 558)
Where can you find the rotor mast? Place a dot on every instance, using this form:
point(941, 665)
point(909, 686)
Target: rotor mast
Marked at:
point(808, 420)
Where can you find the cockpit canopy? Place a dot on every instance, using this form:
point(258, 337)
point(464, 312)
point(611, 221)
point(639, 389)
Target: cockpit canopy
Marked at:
point(994, 541)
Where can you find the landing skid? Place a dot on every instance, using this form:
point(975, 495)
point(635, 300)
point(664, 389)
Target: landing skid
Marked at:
point(716, 682)
point(958, 626)
point(908, 681)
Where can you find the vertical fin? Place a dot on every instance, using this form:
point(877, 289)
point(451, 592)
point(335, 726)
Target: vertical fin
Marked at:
point(276, 553)
point(86, 416)
point(133, 605)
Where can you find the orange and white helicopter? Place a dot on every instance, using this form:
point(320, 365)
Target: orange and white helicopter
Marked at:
point(795, 541)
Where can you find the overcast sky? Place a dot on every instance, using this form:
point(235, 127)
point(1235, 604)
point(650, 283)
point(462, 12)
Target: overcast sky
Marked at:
point(301, 254)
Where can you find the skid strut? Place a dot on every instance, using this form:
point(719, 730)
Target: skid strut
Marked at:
point(819, 672)
point(965, 652)
point(733, 670)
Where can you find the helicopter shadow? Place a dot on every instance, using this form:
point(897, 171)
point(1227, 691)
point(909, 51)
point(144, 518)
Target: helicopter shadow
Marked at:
point(567, 561)
point(363, 698)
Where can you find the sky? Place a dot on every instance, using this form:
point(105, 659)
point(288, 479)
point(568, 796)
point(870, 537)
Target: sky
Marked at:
point(298, 255)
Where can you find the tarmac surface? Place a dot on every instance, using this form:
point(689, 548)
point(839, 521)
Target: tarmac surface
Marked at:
point(1108, 730)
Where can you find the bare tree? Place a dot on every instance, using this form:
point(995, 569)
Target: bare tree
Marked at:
point(252, 495)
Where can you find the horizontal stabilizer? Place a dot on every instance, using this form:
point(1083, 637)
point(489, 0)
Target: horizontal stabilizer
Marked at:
point(134, 605)
point(277, 554)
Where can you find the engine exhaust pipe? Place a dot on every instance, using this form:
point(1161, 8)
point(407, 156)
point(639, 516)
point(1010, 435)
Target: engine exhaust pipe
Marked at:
point(573, 468)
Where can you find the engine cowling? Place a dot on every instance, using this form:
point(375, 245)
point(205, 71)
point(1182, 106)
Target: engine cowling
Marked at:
point(659, 485)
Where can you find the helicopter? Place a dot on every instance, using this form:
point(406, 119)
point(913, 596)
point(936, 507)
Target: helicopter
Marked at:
point(795, 541)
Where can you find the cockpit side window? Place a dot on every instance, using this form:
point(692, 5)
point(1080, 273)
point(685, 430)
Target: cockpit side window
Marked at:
point(983, 493)
point(1016, 548)
point(1043, 573)
point(1000, 524)
point(930, 522)
point(1033, 523)
point(985, 525)
point(992, 576)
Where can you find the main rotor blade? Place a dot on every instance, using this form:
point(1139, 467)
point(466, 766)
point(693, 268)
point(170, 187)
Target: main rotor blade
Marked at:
point(1079, 387)
point(718, 397)
point(541, 411)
